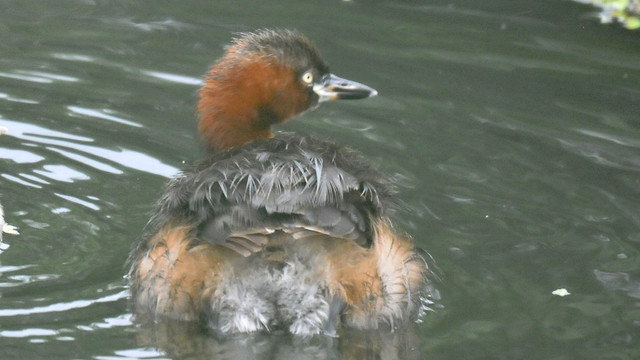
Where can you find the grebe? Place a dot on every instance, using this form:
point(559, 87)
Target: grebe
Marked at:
point(275, 231)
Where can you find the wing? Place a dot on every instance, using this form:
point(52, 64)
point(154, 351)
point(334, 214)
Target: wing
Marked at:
point(295, 185)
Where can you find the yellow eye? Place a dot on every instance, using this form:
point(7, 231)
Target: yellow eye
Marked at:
point(307, 77)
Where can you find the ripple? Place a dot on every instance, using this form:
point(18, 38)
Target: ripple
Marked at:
point(78, 201)
point(73, 57)
point(619, 281)
point(28, 333)
point(19, 100)
point(20, 181)
point(34, 178)
point(461, 199)
point(382, 139)
point(61, 173)
point(124, 157)
point(31, 132)
point(38, 76)
point(51, 76)
point(109, 323)
point(141, 353)
point(351, 124)
point(12, 268)
point(180, 79)
point(65, 334)
point(101, 114)
point(601, 155)
point(64, 306)
point(87, 161)
point(616, 139)
point(462, 171)
point(163, 25)
point(19, 156)
point(474, 13)
point(18, 280)
point(503, 62)
point(35, 79)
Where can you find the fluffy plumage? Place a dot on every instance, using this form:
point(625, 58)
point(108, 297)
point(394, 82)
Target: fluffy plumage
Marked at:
point(282, 182)
point(275, 231)
point(284, 46)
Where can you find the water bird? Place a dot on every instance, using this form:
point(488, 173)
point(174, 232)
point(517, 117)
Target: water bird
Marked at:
point(276, 231)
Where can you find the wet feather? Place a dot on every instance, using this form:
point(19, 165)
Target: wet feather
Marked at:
point(293, 181)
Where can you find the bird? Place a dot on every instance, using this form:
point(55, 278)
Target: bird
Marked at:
point(276, 231)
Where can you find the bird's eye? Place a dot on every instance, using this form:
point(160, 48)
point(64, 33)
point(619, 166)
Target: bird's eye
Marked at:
point(307, 77)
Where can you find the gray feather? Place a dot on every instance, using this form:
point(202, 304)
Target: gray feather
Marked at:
point(285, 182)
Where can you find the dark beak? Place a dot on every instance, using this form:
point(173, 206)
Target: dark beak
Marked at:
point(332, 87)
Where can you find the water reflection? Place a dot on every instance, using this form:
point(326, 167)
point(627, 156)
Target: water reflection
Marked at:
point(19, 156)
point(8, 97)
point(619, 281)
point(37, 76)
point(134, 354)
point(72, 57)
point(64, 306)
point(18, 280)
point(161, 25)
point(61, 173)
point(57, 141)
point(78, 201)
point(180, 79)
point(105, 114)
point(188, 340)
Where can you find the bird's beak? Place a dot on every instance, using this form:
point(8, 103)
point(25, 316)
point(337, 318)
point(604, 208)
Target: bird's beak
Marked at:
point(332, 87)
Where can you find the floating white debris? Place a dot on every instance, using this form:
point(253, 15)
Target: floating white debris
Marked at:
point(5, 228)
point(561, 292)
point(10, 229)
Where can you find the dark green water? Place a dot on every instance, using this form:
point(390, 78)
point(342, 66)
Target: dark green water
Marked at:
point(513, 127)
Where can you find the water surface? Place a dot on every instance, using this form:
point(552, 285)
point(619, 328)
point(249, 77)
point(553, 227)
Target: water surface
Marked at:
point(512, 127)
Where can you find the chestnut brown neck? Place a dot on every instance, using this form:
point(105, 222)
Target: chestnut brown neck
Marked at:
point(242, 99)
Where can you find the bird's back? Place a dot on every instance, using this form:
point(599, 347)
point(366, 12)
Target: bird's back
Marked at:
point(289, 231)
point(290, 183)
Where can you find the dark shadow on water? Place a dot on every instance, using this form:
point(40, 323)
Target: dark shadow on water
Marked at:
point(180, 340)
